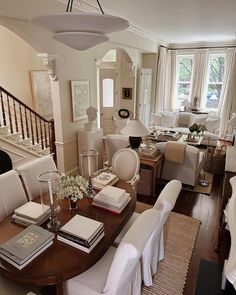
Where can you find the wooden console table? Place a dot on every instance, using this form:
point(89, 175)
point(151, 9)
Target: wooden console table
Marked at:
point(156, 163)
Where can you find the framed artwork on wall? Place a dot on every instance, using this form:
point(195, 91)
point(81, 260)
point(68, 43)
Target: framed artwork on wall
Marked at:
point(80, 99)
point(41, 93)
point(127, 93)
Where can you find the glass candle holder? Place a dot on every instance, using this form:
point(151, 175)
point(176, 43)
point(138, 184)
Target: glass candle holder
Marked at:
point(49, 188)
point(89, 165)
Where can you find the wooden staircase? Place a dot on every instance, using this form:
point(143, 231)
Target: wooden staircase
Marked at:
point(24, 134)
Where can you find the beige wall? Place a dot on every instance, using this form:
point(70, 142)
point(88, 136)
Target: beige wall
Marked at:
point(73, 65)
point(17, 58)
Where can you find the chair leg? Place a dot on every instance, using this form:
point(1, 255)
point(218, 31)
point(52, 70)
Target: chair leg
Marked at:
point(224, 279)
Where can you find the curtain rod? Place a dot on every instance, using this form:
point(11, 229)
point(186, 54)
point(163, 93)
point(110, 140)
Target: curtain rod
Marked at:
point(207, 47)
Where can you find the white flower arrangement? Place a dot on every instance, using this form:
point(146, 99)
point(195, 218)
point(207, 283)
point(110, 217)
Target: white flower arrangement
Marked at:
point(75, 187)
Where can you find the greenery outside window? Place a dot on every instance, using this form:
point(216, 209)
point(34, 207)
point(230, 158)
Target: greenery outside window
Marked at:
point(215, 74)
point(184, 67)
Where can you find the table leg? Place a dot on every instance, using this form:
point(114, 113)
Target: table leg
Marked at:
point(154, 180)
point(59, 288)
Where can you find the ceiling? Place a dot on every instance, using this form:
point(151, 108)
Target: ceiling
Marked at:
point(180, 21)
point(169, 21)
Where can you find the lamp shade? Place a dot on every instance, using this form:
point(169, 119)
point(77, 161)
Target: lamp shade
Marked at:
point(135, 128)
point(81, 22)
point(80, 40)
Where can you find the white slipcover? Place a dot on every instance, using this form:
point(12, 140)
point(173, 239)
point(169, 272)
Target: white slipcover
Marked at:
point(154, 249)
point(30, 171)
point(118, 271)
point(12, 194)
point(229, 270)
point(113, 143)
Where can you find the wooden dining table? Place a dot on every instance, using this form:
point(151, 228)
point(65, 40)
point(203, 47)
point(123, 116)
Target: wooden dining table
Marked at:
point(60, 261)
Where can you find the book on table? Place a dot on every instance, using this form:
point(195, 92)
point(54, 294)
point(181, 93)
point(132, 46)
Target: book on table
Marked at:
point(112, 198)
point(103, 179)
point(169, 135)
point(31, 213)
point(25, 246)
point(82, 232)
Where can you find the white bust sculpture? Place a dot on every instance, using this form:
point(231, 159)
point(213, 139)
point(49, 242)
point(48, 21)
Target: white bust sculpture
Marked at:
point(92, 116)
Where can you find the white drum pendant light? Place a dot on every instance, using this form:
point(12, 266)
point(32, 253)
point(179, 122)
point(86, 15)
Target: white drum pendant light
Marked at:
point(80, 30)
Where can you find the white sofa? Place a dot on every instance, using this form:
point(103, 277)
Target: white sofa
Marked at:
point(180, 121)
point(189, 171)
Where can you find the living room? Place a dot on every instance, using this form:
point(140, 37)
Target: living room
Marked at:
point(190, 26)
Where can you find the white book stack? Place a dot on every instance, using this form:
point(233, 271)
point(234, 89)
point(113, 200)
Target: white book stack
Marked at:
point(112, 198)
point(82, 233)
point(103, 179)
point(31, 213)
point(25, 246)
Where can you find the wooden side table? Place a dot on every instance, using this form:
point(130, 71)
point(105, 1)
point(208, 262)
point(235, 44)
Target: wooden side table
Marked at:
point(156, 163)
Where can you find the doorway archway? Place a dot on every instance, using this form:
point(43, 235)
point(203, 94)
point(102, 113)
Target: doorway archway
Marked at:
point(116, 78)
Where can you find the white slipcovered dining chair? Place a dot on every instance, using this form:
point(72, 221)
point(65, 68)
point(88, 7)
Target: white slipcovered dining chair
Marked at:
point(154, 249)
point(118, 271)
point(113, 143)
point(12, 194)
point(126, 164)
point(229, 270)
point(30, 171)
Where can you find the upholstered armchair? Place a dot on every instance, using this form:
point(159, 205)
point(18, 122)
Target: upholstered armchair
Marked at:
point(187, 172)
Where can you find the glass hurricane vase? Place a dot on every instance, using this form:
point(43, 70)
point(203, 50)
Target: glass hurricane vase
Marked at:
point(73, 204)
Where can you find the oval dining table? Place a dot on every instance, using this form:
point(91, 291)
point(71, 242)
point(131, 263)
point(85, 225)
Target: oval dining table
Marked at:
point(60, 261)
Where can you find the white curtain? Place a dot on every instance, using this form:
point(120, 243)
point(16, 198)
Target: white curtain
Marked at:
point(199, 74)
point(166, 76)
point(228, 92)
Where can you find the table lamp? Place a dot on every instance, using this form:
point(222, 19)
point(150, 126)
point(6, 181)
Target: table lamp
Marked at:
point(135, 130)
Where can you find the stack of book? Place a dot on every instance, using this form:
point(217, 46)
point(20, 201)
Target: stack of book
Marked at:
point(150, 151)
point(82, 233)
point(169, 135)
point(103, 179)
point(112, 198)
point(31, 213)
point(25, 246)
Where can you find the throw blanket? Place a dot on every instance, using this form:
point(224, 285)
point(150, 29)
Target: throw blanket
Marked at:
point(175, 152)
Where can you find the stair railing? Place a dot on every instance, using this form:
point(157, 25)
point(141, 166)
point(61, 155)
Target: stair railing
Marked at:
point(22, 119)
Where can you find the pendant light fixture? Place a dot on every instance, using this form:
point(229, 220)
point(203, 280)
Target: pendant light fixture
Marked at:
point(80, 30)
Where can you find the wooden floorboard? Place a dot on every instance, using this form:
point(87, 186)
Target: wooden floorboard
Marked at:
point(207, 209)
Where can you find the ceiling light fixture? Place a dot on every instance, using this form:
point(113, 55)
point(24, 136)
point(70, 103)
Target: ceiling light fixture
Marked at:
point(80, 30)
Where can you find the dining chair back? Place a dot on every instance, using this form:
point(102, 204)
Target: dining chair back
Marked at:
point(154, 250)
point(113, 143)
point(126, 164)
point(118, 271)
point(30, 171)
point(229, 270)
point(12, 194)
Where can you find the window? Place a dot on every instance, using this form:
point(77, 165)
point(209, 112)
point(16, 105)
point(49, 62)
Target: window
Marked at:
point(108, 93)
point(216, 66)
point(184, 68)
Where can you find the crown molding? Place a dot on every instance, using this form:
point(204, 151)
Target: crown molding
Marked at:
point(91, 7)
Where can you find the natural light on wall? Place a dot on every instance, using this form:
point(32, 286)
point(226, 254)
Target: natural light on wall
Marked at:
point(108, 93)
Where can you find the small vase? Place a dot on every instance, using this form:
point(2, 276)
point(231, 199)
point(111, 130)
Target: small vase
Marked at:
point(73, 205)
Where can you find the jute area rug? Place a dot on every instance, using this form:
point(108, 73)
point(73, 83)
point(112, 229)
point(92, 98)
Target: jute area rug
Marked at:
point(180, 233)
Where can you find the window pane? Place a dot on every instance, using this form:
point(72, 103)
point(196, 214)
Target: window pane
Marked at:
point(183, 91)
point(217, 65)
point(184, 68)
point(213, 95)
point(108, 93)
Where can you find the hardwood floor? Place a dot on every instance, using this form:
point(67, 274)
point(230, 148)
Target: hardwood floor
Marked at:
point(207, 209)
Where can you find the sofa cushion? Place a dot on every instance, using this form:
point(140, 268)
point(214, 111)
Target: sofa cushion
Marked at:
point(184, 119)
point(168, 119)
point(198, 119)
point(212, 123)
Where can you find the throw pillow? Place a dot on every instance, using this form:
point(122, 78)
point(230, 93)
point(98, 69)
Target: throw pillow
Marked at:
point(168, 119)
point(212, 123)
point(198, 119)
point(156, 119)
